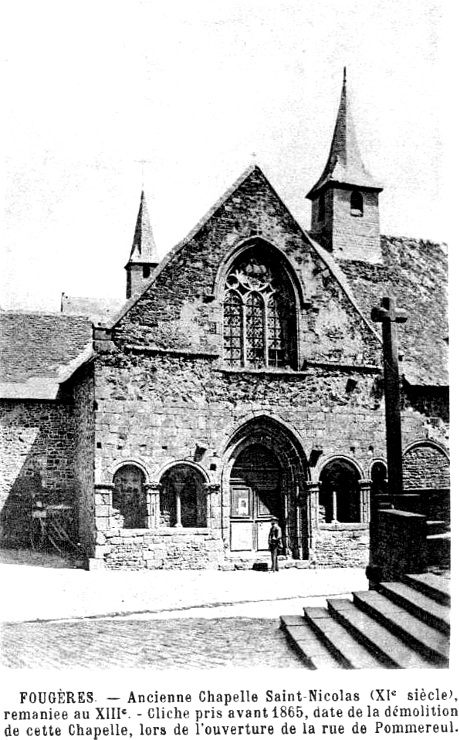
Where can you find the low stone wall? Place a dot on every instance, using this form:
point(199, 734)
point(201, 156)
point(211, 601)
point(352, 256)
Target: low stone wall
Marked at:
point(398, 545)
point(341, 546)
point(164, 549)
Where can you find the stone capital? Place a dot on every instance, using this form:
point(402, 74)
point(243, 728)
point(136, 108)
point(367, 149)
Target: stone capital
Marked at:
point(104, 487)
point(212, 488)
point(153, 487)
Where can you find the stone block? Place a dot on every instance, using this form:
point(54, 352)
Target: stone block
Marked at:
point(96, 564)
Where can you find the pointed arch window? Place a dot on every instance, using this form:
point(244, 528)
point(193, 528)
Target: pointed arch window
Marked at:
point(258, 313)
point(356, 203)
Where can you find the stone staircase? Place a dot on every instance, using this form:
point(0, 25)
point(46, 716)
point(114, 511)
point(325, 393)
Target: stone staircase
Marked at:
point(402, 624)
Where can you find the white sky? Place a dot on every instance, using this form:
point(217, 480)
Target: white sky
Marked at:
point(200, 90)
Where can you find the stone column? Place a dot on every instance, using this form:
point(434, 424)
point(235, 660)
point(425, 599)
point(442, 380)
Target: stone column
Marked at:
point(309, 500)
point(365, 490)
point(334, 507)
point(211, 490)
point(178, 508)
point(152, 491)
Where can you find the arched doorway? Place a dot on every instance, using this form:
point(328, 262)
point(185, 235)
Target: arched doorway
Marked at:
point(182, 499)
point(339, 493)
point(255, 497)
point(265, 475)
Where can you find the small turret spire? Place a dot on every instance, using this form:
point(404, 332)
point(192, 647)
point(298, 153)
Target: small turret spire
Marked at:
point(345, 205)
point(344, 165)
point(143, 246)
point(143, 257)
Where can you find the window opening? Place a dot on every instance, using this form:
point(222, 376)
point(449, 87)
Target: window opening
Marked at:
point(255, 330)
point(182, 498)
point(356, 203)
point(258, 313)
point(339, 495)
point(233, 328)
point(128, 498)
point(146, 271)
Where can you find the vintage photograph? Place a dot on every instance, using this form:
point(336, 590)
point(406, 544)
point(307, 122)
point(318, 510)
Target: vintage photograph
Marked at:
point(224, 337)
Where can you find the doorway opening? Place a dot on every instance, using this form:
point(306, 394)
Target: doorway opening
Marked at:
point(255, 497)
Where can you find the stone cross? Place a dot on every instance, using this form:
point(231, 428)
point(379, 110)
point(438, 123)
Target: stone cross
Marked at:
point(388, 315)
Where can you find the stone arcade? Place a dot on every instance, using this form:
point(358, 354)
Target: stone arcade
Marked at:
point(241, 380)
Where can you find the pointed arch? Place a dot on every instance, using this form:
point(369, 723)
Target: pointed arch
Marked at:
point(259, 309)
point(264, 474)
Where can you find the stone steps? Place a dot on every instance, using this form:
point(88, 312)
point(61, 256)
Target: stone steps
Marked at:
point(418, 604)
point(307, 643)
point(431, 643)
point(437, 587)
point(339, 641)
point(390, 649)
point(400, 625)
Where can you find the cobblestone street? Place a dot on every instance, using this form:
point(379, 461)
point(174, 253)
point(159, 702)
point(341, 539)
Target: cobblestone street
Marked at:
point(55, 616)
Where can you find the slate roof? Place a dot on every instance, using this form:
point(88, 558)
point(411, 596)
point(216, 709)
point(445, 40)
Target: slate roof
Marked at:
point(96, 309)
point(344, 165)
point(36, 350)
point(415, 273)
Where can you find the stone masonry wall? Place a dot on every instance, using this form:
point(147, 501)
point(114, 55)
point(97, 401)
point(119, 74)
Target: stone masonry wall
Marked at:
point(165, 395)
point(344, 546)
point(36, 462)
point(84, 457)
point(425, 466)
point(183, 308)
point(157, 408)
point(171, 549)
point(356, 237)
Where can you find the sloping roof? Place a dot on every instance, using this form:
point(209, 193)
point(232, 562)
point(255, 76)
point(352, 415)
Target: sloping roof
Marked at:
point(415, 273)
point(95, 309)
point(143, 246)
point(344, 165)
point(36, 349)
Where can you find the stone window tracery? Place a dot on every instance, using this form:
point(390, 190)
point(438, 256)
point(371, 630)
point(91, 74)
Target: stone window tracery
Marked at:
point(258, 314)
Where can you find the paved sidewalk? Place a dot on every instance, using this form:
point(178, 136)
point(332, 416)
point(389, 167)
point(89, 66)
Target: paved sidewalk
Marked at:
point(37, 588)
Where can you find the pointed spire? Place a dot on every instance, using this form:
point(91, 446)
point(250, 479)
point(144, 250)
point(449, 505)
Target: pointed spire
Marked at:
point(344, 165)
point(143, 246)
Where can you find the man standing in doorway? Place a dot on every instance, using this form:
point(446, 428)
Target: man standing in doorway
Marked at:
point(274, 543)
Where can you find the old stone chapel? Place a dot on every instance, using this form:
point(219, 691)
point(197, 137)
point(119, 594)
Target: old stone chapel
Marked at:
point(242, 379)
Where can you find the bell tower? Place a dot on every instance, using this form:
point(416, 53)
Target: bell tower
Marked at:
point(143, 258)
point(345, 207)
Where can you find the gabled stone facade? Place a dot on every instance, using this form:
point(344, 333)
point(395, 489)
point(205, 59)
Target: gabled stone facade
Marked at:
point(242, 381)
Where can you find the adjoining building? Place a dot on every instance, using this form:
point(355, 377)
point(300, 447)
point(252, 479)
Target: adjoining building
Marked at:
point(242, 379)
